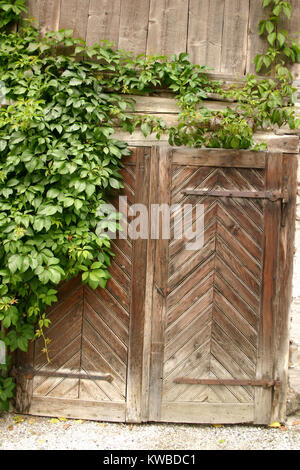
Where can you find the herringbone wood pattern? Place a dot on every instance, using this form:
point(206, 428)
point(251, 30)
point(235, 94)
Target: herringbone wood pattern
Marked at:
point(212, 331)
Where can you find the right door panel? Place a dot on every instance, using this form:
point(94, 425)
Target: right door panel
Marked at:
point(216, 322)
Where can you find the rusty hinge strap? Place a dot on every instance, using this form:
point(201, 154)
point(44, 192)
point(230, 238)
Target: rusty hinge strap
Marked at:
point(244, 382)
point(29, 373)
point(271, 195)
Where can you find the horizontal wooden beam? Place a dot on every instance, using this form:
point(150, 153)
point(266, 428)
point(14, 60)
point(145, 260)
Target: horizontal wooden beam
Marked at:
point(219, 157)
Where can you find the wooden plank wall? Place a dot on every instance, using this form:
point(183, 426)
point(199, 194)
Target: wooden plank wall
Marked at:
point(219, 33)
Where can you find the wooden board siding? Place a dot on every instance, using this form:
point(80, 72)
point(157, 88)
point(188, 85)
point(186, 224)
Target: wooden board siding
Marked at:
point(222, 34)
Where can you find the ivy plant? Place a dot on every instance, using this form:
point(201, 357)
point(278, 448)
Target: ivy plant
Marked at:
point(10, 11)
point(281, 48)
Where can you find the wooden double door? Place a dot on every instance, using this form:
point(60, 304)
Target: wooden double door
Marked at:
point(179, 335)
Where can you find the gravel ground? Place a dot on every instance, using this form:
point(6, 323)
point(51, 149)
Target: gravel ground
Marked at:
point(35, 433)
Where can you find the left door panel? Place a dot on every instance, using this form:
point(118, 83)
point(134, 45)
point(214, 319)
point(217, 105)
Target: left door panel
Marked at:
point(93, 373)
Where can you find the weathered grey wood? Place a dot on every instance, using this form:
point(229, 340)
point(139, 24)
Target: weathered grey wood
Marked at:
point(135, 392)
point(183, 412)
point(49, 406)
point(256, 44)
point(49, 14)
point(275, 143)
point(159, 291)
point(24, 384)
point(167, 28)
point(74, 15)
point(33, 10)
point(103, 21)
point(278, 143)
point(223, 158)
point(133, 27)
point(149, 292)
point(205, 31)
point(234, 40)
point(269, 305)
point(286, 254)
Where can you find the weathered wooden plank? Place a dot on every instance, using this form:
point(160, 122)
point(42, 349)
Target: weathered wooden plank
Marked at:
point(286, 253)
point(205, 32)
point(167, 29)
point(256, 44)
point(234, 38)
point(49, 406)
point(134, 16)
point(74, 15)
point(269, 306)
point(49, 13)
point(149, 292)
point(103, 21)
point(24, 385)
point(182, 412)
point(135, 390)
point(162, 176)
point(219, 158)
point(33, 10)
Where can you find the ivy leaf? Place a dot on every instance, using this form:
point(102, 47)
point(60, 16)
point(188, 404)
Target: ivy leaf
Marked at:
point(11, 317)
point(48, 210)
point(271, 38)
point(75, 82)
point(269, 26)
point(14, 263)
point(115, 183)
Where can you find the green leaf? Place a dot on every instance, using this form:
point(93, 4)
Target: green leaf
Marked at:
point(48, 210)
point(75, 82)
point(14, 263)
point(271, 38)
point(281, 39)
point(114, 183)
point(53, 193)
point(270, 26)
point(266, 3)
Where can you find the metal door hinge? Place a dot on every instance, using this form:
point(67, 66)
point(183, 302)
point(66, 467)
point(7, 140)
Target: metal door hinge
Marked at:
point(273, 196)
point(30, 373)
point(264, 383)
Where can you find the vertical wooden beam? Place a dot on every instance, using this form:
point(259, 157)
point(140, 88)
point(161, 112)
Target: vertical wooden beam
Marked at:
point(133, 30)
point(168, 27)
point(159, 292)
point(49, 14)
point(103, 21)
point(269, 296)
point(33, 10)
point(74, 15)
point(205, 30)
point(234, 41)
point(286, 255)
point(24, 384)
point(135, 390)
point(149, 290)
point(256, 44)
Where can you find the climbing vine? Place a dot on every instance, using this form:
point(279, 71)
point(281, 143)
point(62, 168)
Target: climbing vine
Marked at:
point(59, 160)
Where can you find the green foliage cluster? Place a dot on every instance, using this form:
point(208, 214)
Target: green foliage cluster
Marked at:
point(59, 160)
point(10, 11)
point(281, 47)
